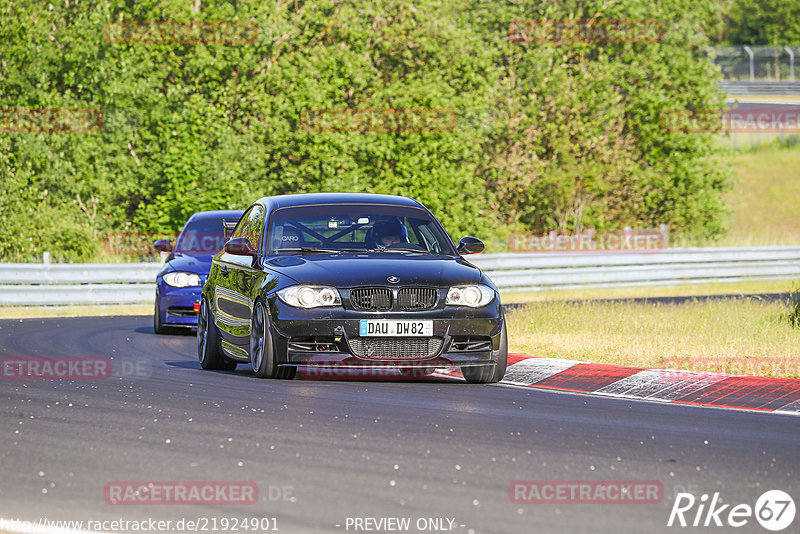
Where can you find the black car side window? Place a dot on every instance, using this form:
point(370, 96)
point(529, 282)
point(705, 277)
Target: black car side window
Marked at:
point(237, 231)
point(250, 226)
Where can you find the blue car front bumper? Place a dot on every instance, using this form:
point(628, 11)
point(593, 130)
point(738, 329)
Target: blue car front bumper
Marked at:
point(176, 305)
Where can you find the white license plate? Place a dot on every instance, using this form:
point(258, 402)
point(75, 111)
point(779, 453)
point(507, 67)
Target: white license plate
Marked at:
point(395, 328)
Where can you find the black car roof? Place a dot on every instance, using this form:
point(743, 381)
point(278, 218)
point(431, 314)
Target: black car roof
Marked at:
point(305, 199)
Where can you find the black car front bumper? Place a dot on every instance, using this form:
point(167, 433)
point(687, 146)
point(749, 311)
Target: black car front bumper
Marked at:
point(330, 337)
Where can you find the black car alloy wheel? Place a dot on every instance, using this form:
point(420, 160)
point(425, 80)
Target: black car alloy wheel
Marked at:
point(262, 350)
point(208, 350)
point(490, 374)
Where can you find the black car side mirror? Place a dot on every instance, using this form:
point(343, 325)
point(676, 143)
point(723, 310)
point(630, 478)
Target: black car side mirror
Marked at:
point(240, 246)
point(470, 245)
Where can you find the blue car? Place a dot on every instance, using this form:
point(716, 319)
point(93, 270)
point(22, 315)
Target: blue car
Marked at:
point(180, 281)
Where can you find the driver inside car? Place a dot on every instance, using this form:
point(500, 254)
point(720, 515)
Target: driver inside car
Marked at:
point(388, 233)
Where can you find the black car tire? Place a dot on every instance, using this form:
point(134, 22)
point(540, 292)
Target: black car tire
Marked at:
point(158, 326)
point(262, 348)
point(489, 374)
point(208, 349)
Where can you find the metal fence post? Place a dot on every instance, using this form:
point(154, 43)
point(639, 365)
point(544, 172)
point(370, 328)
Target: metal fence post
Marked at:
point(752, 68)
point(791, 62)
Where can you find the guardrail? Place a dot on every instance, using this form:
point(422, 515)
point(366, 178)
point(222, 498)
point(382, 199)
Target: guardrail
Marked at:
point(26, 284)
point(760, 88)
point(536, 271)
point(38, 284)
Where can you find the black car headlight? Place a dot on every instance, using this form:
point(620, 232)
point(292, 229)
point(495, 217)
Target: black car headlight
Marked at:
point(182, 279)
point(473, 296)
point(310, 296)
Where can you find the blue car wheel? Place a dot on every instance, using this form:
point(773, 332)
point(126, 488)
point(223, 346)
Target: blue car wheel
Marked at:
point(158, 325)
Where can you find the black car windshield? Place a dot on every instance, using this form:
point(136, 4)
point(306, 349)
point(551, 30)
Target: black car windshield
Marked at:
point(201, 237)
point(333, 228)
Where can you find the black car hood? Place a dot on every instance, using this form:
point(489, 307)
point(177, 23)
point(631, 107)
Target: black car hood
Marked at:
point(352, 270)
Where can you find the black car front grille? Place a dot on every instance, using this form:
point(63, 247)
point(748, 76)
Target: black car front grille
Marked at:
point(380, 298)
point(417, 298)
point(394, 348)
point(371, 298)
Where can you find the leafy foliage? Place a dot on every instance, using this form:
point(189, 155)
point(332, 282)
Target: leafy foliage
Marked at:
point(766, 22)
point(546, 136)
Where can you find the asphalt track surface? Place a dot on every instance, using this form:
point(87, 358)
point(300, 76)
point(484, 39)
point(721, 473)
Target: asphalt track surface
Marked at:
point(431, 448)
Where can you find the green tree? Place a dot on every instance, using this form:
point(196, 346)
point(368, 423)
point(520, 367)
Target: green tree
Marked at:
point(766, 22)
point(544, 136)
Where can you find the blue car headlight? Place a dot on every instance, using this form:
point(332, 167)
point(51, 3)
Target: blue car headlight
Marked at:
point(182, 279)
point(473, 296)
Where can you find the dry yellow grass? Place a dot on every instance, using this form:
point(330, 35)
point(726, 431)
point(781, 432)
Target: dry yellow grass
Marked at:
point(21, 312)
point(761, 98)
point(763, 202)
point(734, 288)
point(739, 336)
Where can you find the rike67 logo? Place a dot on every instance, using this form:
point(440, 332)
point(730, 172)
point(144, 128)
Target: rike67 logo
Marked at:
point(774, 510)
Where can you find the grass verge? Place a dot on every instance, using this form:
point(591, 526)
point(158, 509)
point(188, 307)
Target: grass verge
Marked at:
point(737, 336)
point(762, 208)
point(22, 312)
point(764, 98)
point(688, 290)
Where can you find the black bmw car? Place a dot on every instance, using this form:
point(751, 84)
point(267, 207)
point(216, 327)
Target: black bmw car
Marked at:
point(353, 280)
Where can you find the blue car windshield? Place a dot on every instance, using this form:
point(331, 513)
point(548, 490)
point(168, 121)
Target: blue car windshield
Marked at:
point(201, 237)
point(355, 228)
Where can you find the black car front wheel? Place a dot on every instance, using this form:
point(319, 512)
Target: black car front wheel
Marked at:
point(262, 349)
point(208, 349)
point(489, 374)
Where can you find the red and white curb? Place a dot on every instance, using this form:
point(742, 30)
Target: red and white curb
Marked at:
point(780, 395)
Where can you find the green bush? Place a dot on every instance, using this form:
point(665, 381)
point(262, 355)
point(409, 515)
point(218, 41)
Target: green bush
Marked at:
point(545, 136)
